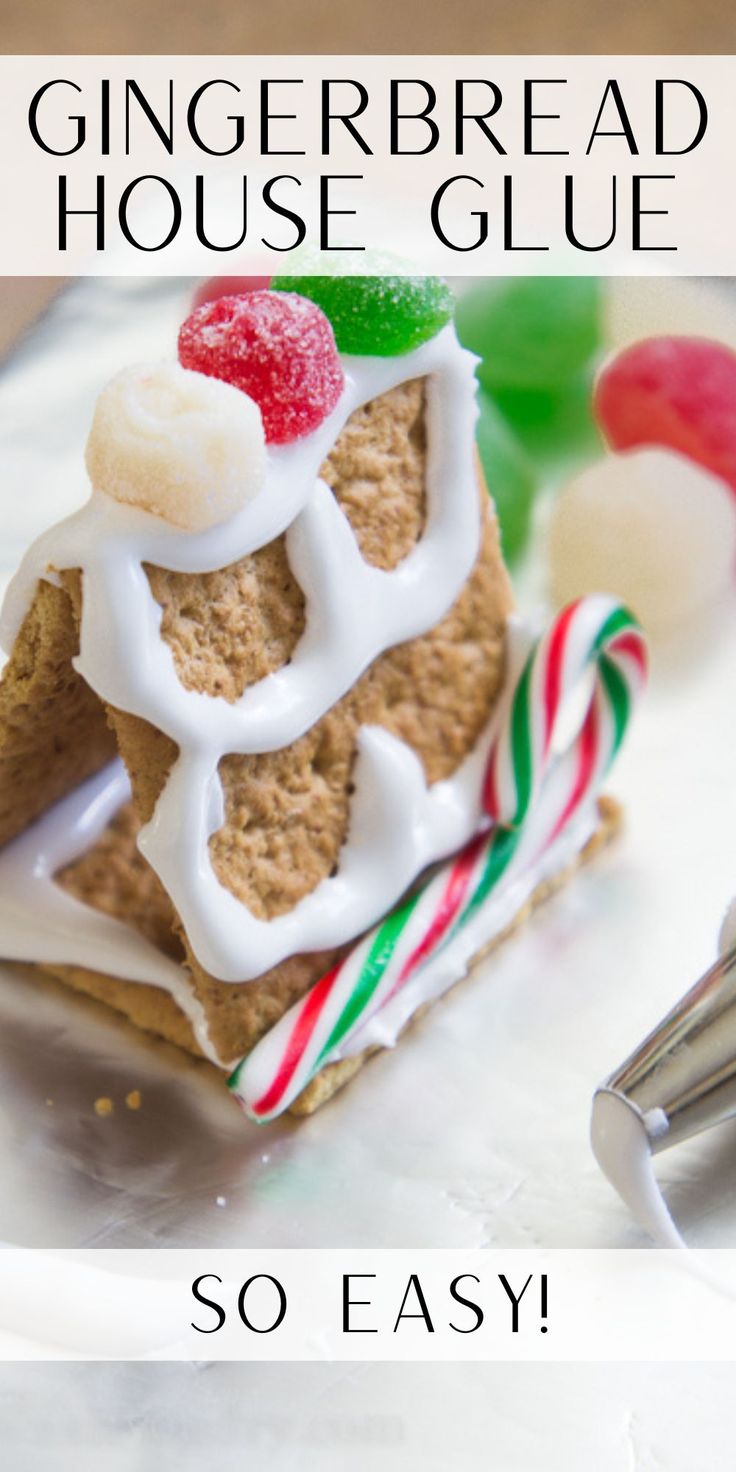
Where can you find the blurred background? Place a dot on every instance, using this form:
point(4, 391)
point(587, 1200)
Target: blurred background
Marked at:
point(414, 27)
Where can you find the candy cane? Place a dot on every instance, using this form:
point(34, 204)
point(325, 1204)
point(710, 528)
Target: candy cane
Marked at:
point(530, 794)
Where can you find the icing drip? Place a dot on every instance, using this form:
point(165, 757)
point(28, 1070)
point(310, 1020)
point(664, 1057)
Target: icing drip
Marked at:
point(40, 922)
point(354, 613)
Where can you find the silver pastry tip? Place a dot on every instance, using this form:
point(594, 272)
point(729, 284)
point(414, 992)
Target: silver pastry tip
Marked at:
point(682, 1078)
point(623, 1141)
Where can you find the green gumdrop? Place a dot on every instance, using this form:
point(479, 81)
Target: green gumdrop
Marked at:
point(381, 316)
point(508, 474)
point(531, 331)
point(555, 428)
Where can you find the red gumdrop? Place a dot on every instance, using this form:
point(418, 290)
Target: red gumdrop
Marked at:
point(277, 347)
point(679, 392)
point(217, 286)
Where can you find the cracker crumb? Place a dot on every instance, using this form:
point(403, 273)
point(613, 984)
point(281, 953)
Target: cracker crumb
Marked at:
point(50, 1103)
point(134, 1099)
point(103, 1107)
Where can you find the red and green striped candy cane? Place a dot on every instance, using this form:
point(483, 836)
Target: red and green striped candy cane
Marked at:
point(531, 791)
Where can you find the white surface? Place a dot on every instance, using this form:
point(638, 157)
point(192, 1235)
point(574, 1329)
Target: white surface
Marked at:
point(476, 1131)
point(368, 1418)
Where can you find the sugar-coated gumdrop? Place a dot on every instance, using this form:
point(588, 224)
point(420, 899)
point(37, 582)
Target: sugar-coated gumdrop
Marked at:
point(380, 316)
point(649, 527)
point(531, 331)
point(508, 476)
point(275, 346)
point(216, 286)
point(181, 446)
point(674, 391)
point(660, 306)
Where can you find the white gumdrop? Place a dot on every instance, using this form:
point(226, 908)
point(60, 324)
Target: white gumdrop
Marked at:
point(180, 445)
point(650, 527)
point(663, 306)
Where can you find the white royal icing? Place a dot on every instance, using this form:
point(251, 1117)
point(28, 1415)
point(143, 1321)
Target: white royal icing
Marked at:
point(354, 611)
point(398, 825)
point(40, 922)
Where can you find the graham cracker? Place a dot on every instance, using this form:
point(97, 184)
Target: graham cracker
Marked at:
point(287, 811)
point(53, 729)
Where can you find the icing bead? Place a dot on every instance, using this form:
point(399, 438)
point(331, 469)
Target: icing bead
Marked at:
point(276, 347)
point(216, 286)
point(181, 446)
point(656, 306)
point(679, 392)
point(650, 527)
point(380, 316)
point(508, 475)
point(531, 331)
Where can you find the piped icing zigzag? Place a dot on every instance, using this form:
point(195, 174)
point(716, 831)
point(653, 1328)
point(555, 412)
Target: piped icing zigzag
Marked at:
point(354, 612)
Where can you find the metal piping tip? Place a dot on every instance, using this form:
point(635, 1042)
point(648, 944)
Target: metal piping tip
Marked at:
point(682, 1079)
